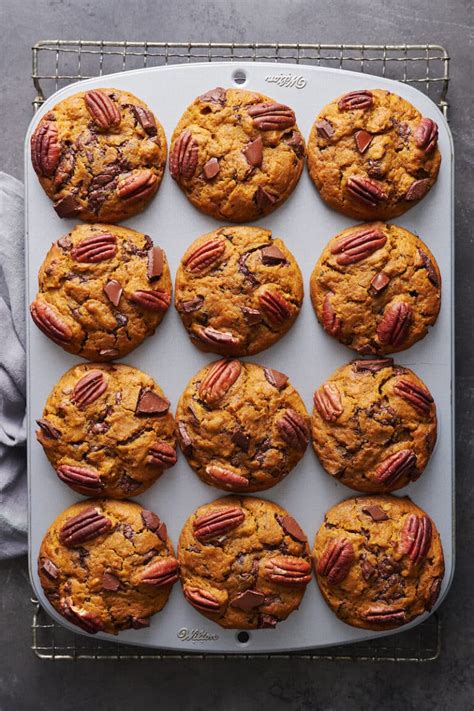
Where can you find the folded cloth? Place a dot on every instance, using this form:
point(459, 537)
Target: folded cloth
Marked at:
point(13, 486)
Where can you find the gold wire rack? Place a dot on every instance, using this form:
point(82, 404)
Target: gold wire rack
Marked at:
point(57, 63)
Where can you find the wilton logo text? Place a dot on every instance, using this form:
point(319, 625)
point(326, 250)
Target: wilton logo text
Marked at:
point(186, 635)
point(287, 80)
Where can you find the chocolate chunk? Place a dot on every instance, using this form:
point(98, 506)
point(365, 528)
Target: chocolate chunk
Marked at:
point(267, 621)
point(121, 319)
point(48, 568)
point(185, 439)
point(363, 140)
point(379, 282)
point(375, 512)
point(211, 168)
point(191, 305)
point(113, 291)
point(65, 243)
point(241, 439)
point(292, 528)
point(243, 268)
point(373, 365)
point(110, 582)
point(155, 263)
point(273, 255)
point(275, 378)
point(296, 143)
point(150, 403)
point(145, 118)
point(264, 199)
point(325, 129)
point(150, 520)
point(127, 483)
point(48, 429)
point(253, 152)
point(67, 207)
point(162, 532)
point(418, 189)
point(127, 531)
point(215, 96)
point(248, 600)
point(138, 623)
point(109, 352)
point(432, 274)
point(252, 316)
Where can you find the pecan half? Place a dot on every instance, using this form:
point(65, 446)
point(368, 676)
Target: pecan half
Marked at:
point(415, 394)
point(270, 116)
point(83, 478)
point(95, 249)
point(428, 265)
point(156, 300)
point(365, 190)
point(357, 246)
point(162, 454)
point(416, 537)
point(200, 258)
point(332, 324)
point(214, 337)
point(161, 572)
point(184, 156)
point(87, 525)
point(380, 615)
point(253, 152)
point(287, 570)
point(201, 599)
point(219, 379)
point(49, 321)
point(218, 522)
point(78, 616)
point(395, 324)
point(293, 429)
point(226, 478)
point(426, 135)
point(336, 561)
point(418, 189)
point(145, 118)
point(138, 186)
point(275, 378)
point(274, 306)
point(104, 110)
point(394, 467)
point(45, 150)
point(363, 140)
point(89, 388)
point(371, 365)
point(362, 99)
point(327, 401)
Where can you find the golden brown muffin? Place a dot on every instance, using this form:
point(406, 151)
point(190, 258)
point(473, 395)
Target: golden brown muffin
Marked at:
point(244, 562)
point(237, 155)
point(107, 430)
point(102, 290)
point(372, 155)
point(99, 155)
point(238, 290)
point(107, 565)
point(241, 426)
point(376, 288)
point(374, 425)
point(379, 561)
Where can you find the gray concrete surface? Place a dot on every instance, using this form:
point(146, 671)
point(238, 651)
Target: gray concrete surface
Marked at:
point(27, 683)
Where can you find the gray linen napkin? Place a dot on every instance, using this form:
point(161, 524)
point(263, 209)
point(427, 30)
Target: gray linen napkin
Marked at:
point(13, 487)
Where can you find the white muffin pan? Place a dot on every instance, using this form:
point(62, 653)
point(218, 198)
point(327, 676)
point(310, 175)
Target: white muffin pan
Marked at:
point(306, 353)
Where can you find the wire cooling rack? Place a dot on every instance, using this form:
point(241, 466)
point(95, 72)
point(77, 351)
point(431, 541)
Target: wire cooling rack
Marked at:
point(51, 641)
point(57, 63)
